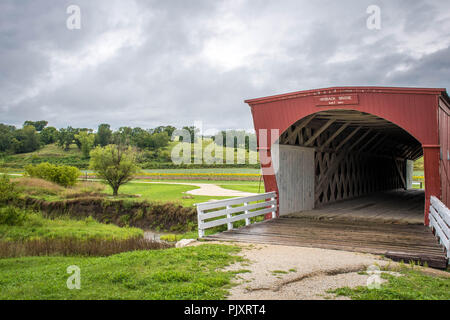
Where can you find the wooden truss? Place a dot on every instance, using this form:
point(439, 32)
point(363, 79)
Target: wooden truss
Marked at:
point(356, 153)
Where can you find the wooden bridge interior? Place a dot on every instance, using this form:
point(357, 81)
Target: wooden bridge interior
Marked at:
point(355, 153)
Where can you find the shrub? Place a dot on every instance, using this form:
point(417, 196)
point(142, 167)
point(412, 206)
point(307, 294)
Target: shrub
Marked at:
point(12, 216)
point(62, 175)
point(8, 190)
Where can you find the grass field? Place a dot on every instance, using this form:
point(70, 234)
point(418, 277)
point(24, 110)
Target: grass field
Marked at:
point(163, 192)
point(186, 273)
point(411, 285)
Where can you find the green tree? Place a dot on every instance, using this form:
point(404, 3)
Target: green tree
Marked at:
point(115, 164)
point(6, 137)
point(25, 140)
point(86, 140)
point(66, 137)
point(38, 125)
point(104, 135)
point(49, 135)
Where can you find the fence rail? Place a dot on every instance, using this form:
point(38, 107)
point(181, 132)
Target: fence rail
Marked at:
point(440, 222)
point(228, 211)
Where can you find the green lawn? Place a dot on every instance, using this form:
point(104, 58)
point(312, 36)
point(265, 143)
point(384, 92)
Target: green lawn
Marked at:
point(36, 227)
point(412, 285)
point(186, 273)
point(163, 193)
point(254, 187)
point(172, 192)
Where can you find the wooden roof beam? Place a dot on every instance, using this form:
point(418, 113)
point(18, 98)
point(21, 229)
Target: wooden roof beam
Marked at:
point(359, 140)
point(319, 132)
point(293, 134)
point(369, 141)
point(334, 135)
point(347, 138)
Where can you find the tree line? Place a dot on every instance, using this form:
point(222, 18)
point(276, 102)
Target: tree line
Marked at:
point(35, 134)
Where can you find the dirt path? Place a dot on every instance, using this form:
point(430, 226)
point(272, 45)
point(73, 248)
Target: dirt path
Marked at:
point(284, 272)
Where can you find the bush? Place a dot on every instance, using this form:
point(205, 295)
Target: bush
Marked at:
point(8, 190)
point(62, 175)
point(12, 216)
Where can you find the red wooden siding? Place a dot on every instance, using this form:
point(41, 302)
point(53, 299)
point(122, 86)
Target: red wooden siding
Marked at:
point(444, 139)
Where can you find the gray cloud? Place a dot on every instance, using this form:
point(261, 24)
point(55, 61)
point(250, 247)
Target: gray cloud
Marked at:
point(149, 63)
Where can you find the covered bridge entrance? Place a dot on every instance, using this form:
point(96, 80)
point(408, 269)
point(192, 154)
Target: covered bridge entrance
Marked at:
point(340, 161)
point(329, 145)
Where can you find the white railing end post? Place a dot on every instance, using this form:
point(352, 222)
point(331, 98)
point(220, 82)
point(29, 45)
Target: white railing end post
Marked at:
point(274, 211)
point(229, 224)
point(247, 220)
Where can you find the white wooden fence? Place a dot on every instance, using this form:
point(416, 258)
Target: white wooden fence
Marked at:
point(231, 210)
point(440, 222)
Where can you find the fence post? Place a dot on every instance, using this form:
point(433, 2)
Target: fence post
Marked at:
point(247, 220)
point(229, 224)
point(201, 232)
point(274, 211)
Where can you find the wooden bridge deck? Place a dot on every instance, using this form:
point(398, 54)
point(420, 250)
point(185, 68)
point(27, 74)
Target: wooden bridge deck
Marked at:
point(396, 241)
point(359, 229)
point(398, 206)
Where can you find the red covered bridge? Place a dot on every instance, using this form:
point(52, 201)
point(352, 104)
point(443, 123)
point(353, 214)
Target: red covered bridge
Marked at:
point(340, 161)
point(361, 140)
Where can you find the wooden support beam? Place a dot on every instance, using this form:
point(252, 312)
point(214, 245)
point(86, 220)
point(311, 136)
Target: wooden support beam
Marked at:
point(291, 137)
point(319, 132)
point(377, 144)
point(347, 138)
point(334, 135)
point(359, 140)
point(330, 171)
point(369, 142)
point(400, 173)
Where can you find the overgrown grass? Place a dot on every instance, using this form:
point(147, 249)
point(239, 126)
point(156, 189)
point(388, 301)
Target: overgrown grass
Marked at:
point(185, 273)
point(42, 189)
point(36, 227)
point(76, 247)
point(412, 285)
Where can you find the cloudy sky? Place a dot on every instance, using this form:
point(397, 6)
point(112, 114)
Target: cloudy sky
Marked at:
point(149, 63)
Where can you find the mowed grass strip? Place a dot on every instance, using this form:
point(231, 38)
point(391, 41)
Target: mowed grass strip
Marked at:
point(177, 273)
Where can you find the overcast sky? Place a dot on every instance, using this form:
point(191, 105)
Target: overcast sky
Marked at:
point(149, 63)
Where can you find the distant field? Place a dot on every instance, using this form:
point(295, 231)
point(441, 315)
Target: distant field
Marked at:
point(73, 156)
point(208, 170)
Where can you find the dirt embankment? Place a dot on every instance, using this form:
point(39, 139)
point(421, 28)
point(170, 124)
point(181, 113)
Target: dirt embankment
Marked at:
point(146, 215)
